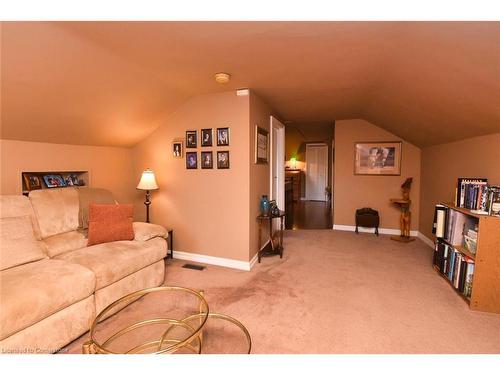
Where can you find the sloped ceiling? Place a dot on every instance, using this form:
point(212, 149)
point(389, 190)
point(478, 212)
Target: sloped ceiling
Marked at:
point(113, 83)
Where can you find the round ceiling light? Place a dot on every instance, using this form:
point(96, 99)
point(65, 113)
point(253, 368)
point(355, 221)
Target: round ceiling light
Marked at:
point(222, 77)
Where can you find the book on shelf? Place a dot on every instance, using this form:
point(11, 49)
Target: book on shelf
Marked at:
point(455, 266)
point(472, 193)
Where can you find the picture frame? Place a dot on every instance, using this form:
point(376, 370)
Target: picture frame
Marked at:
point(222, 136)
point(191, 138)
point(377, 158)
point(207, 136)
point(222, 159)
point(191, 160)
point(261, 145)
point(32, 181)
point(71, 179)
point(177, 149)
point(54, 180)
point(207, 160)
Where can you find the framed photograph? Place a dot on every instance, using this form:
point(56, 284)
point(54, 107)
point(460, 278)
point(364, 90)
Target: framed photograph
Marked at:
point(72, 180)
point(207, 160)
point(261, 145)
point(191, 139)
point(54, 180)
point(32, 181)
point(222, 136)
point(377, 158)
point(206, 137)
point(177, 149)
point(222, 159)
point(191, 160)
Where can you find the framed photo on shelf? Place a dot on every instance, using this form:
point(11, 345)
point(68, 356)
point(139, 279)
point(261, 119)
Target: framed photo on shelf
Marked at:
point(177, 149)
point(191, 139)
point(206, 137)
point(54, 180)
point(377, 158)
point(261, 145)
point(222, 159)
point(71, 179)
point(32, 181)
point(191, 160)
point(207, 160)
point(222, 136)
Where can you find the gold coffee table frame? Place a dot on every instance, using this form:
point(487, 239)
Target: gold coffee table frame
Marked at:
point(164, 345)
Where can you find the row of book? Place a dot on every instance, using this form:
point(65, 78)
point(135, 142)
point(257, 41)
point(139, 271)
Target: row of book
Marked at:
point(472, 193)
point(455, 266)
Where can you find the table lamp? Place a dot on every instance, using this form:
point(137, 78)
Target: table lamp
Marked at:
point(147, 182)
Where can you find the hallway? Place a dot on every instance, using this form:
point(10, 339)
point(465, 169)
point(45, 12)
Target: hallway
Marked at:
point(310, 215)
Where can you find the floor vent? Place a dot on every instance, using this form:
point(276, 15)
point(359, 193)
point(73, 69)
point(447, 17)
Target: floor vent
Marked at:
point(193, 267)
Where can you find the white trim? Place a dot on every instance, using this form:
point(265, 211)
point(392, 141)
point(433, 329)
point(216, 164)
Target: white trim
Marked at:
point(216, 261)
point(425, 240)
point(254, 260)
point(274, 123)
point(352, 228)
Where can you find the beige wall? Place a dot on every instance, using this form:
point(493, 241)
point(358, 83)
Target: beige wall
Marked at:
point(443, 164)
point(259, 173)
point(109, 167)
point(208, 209)
point(352, 192)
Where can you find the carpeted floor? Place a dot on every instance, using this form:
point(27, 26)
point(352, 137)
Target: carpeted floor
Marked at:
point(338, 292)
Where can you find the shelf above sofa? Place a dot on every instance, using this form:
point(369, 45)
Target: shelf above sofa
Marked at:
point(35, 180)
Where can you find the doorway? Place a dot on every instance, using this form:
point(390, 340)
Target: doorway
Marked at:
point(309, 175)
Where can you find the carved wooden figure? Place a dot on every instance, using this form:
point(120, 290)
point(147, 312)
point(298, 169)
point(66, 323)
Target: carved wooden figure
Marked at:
point(405, 219)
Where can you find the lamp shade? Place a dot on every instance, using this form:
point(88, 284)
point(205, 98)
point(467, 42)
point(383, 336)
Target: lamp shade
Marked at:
point(148, 181)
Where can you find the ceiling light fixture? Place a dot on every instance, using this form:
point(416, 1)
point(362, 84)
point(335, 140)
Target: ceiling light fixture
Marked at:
point(222, 77)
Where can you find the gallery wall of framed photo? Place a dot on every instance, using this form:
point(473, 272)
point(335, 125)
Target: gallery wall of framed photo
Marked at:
point(53, 179)
point(209, 148)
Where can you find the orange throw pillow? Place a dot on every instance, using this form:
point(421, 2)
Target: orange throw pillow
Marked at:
point(110, 222)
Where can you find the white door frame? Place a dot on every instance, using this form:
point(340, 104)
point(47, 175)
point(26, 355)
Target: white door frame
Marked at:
point(277, 160)
point(308, 145)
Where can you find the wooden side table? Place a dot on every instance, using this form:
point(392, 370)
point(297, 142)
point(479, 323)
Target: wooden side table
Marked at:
point(170, 242)
point(276, 249)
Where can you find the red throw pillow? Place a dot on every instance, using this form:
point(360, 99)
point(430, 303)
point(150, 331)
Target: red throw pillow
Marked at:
point(110, 222)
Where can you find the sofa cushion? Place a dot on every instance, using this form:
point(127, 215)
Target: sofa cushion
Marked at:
point(17, 242)
point(56, 210)
point(110, 222)
point(18, 205)
point(64, 242)
point(113, 261)
point(88, 196)
point(34, 291)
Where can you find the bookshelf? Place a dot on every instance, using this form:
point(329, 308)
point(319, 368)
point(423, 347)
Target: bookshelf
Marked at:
point(485, 292)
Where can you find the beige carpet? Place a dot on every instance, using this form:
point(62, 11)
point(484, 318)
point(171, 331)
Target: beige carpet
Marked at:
point(338, 292)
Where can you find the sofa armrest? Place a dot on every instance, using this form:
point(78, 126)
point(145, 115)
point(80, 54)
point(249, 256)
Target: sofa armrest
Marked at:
point(147, 231)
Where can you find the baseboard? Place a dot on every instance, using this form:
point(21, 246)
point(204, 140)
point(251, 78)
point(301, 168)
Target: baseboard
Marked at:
point(426, 240)
point(216, 261)
point(352, 228)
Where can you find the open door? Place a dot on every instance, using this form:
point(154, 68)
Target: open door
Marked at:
point(277, 163)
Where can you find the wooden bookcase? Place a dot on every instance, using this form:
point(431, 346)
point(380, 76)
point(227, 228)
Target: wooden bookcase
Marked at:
point(486, 280)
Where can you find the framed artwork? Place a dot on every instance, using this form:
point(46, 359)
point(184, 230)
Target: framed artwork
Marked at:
point(191, 139)
point(261, 145)
point(206, 137)
point(177, 149)
point(54, 180)
point(191, 160)
point(222, 136)
point(72, 180)
point(377, 158)
point(207, 160)
point(222, 159)
point(32, 181)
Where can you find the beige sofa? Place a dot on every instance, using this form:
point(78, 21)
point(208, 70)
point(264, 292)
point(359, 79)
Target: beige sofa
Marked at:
point(51, 284)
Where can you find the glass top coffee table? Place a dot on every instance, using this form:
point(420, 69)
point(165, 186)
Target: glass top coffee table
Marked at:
point(163, 320)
